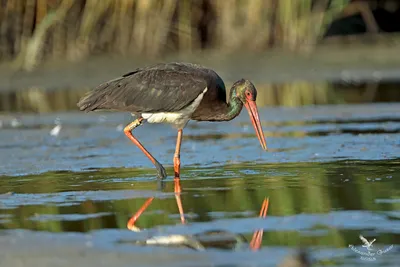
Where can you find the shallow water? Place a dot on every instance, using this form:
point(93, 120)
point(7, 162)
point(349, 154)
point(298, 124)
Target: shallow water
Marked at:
point(331, 174)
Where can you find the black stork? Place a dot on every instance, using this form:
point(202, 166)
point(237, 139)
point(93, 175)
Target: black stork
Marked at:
point(174, 93)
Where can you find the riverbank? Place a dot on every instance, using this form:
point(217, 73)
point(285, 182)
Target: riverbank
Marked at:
point(326, 63)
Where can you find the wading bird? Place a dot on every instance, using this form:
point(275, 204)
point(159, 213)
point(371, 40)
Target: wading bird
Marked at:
point(174, 93)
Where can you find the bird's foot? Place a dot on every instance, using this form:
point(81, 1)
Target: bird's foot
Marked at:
point(162, 174)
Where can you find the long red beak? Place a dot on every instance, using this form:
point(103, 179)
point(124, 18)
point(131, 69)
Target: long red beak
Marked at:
point(251, 107)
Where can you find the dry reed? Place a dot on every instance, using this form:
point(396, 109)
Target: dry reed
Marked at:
point(35, 30)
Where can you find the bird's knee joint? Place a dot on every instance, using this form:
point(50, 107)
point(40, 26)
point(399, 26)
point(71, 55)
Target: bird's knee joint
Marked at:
point(128, 129)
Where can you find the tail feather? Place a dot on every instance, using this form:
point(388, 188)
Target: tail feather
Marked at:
point(90, 101)
point(96, 98)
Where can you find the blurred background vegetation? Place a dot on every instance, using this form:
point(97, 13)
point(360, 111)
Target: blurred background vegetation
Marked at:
point(33, 32)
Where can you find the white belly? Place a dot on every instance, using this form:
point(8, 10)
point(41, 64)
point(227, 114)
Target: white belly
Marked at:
point(179, 118)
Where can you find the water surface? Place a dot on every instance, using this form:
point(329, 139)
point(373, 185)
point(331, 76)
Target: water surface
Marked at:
point(331, 174)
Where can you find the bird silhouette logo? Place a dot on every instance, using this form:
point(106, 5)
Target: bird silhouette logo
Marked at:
point(367, 245)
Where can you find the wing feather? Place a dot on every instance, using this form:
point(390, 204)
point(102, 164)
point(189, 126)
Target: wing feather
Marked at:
point(160, 88)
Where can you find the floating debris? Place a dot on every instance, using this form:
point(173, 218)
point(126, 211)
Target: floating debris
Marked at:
point(57, 129)
point(15, 122)
point(220, 239)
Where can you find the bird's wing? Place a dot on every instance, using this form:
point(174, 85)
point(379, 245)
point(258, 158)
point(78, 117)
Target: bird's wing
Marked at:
point(365, 241)
point(156, 89)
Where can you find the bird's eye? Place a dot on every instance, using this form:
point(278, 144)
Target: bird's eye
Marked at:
point(248, 93)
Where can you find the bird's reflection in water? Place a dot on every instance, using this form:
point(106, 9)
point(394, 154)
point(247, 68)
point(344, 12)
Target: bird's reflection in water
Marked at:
point(209, 239)
point(213, 239)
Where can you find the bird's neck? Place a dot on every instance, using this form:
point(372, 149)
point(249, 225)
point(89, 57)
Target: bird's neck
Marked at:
point(234, 106)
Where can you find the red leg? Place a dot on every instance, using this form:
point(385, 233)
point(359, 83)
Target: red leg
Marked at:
point(131, 223)
point(177, 155)
point(128, 132)
point(177, 166)
point(178, 199)
point(255, 243)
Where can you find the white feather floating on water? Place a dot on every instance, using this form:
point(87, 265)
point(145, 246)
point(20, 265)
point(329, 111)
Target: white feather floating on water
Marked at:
point(15, 123)
point(57, 129)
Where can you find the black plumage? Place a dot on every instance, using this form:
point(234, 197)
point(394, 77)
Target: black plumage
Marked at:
point(170, 92)
point(166, 87)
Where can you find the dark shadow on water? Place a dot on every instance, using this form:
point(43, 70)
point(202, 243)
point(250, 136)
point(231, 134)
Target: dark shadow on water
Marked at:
point(354, 132)
point(337, 121)
point(338, 131)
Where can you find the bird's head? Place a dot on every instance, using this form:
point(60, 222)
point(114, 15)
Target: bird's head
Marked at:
point(246, 92)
